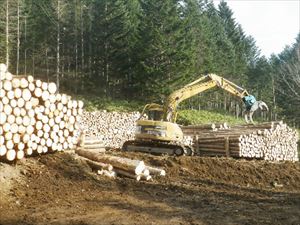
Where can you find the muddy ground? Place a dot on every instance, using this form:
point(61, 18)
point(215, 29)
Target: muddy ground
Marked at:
point(61, 189)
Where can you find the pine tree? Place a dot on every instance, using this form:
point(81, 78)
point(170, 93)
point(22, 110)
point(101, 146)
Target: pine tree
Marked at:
point(163, 57)
point(113, 36)
point(244, 47)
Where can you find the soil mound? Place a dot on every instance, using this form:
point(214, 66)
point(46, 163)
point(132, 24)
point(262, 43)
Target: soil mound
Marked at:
point(61, 189)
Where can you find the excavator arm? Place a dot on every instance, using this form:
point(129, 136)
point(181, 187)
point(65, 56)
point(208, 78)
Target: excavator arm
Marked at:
point(202, 84)
point(160, 133)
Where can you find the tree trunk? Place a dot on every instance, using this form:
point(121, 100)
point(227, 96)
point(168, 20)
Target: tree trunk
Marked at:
point(18, 39)
point(82, 39)
point(274, 100)
point(76, 49)
point(58, 47)
point(7, 34)
point(25, 34)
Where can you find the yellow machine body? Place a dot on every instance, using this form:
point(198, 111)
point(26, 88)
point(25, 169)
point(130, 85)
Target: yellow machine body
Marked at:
point(158, 130)
point(159, 133)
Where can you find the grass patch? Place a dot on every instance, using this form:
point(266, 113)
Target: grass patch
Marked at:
point(97, 103)
point(185, 117)
point(192, 117)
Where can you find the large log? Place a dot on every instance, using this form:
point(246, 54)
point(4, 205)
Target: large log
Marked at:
point(98, 165)
point(156, 171)
point(127, 173)
point(134, 166)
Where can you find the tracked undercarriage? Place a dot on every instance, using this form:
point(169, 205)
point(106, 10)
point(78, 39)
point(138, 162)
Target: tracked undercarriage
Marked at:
point(170, 148)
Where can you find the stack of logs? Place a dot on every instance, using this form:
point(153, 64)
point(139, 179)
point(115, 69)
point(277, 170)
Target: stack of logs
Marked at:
point(113, 166)
point(34, 118)
point(113, 128)
point(191, 131)
point(91, 143)
point(269, 141)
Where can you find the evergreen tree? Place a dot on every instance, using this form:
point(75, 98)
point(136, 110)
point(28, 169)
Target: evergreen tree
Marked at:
point(163, 57)
point(113, 34)
point(244, 47)
point(260, 80)
point(144, 49)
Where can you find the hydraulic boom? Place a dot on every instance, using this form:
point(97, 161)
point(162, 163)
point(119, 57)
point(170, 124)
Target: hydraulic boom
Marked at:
point(160, 133)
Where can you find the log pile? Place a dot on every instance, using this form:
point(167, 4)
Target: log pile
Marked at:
point(273, 141)
point(34, 118)
point(193, 130)
point(91, 143)
point(113, 166)
point(113, 128)
point(196, 129)
point(268, 141)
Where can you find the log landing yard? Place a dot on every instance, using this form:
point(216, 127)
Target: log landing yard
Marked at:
point(61, 164)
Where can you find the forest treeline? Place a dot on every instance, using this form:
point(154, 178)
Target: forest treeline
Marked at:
point(144, 49)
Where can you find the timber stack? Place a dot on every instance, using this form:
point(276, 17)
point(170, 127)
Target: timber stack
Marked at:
point(91, 143)
point(34, 119)
point(195, 129)
point(273, 141)
point(113, 128)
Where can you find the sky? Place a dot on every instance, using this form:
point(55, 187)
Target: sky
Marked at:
point(273, 23)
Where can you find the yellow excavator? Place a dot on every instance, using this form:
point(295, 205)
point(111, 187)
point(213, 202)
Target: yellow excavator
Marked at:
point(159, 133)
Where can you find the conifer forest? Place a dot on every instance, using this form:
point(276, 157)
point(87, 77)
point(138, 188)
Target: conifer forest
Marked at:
point(145, 49)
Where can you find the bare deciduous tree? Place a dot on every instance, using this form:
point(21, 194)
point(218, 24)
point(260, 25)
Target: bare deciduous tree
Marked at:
point(290, 75)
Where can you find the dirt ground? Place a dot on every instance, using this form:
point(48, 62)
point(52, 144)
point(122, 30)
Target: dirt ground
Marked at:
point(61, 189)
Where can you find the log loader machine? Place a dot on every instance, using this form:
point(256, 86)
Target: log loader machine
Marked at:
point(159, 133)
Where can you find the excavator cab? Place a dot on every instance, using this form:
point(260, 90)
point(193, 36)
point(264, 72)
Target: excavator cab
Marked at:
point(153, 111)
point(156, 135)
point(153, 127)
